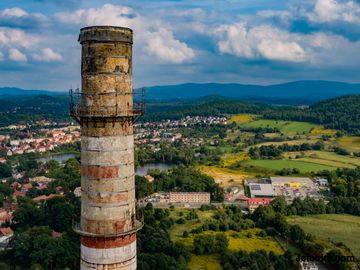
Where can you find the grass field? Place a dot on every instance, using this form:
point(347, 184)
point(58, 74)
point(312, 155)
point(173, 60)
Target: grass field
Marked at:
point(224, 176)
point(285, 127)
point(350, 143)
point(339, 228)
point(272, 165)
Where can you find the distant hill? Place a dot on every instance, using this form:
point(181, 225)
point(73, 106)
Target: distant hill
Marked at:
point(13, 91)
point(306, 91)
point(300, 92)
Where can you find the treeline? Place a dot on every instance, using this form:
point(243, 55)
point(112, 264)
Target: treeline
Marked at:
point(310, 206)
point(342, 113)
point(275, 151)
point(179, 178)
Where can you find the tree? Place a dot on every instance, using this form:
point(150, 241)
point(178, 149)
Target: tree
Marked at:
point(5, 170)
point(209, 244)
point(279, 204)
point(296, 234)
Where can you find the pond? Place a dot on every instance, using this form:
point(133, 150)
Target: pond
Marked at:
point(142, 171)
point(62, 158)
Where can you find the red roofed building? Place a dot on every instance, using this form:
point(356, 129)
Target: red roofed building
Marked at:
point(5, 236)
point(149, 178)
point(6, 231)
point(254, 203)
point(45, 198)
point(18, 193)
point(6, 218)
point(27, 186)
point(55, 234)
point(15, 185)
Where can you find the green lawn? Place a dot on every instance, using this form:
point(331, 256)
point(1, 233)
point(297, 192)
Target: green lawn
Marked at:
point(272, 165)
point(339, 228)
point(285, 127)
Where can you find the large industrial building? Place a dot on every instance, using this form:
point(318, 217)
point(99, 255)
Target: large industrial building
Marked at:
point(190, 197)
point(261, 190)
point(106, 111)
point(289, 187)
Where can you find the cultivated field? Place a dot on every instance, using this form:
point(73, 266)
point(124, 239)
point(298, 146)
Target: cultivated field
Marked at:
point(339, 228)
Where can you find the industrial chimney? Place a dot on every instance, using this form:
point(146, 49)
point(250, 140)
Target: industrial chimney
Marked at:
point(106, 110)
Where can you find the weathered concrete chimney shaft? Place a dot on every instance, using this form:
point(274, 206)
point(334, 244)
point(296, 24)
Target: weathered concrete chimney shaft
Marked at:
point(106, 112)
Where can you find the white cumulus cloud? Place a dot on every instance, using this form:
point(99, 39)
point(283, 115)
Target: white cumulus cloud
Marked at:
point(163, 45)
point(333, 10)
point(262, 41)
point(47, 55)
point(13, 12)
point(150, 34)
point(16, 55)
point(16, 37)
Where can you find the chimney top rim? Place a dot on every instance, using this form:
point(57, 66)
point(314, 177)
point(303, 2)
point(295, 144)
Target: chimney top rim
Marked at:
point(105, 27)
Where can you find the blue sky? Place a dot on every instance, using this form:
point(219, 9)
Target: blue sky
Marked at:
point(250, 42)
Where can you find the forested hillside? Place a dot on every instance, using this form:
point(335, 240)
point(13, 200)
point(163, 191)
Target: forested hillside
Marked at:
point(15, 109)
point(342, 113)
